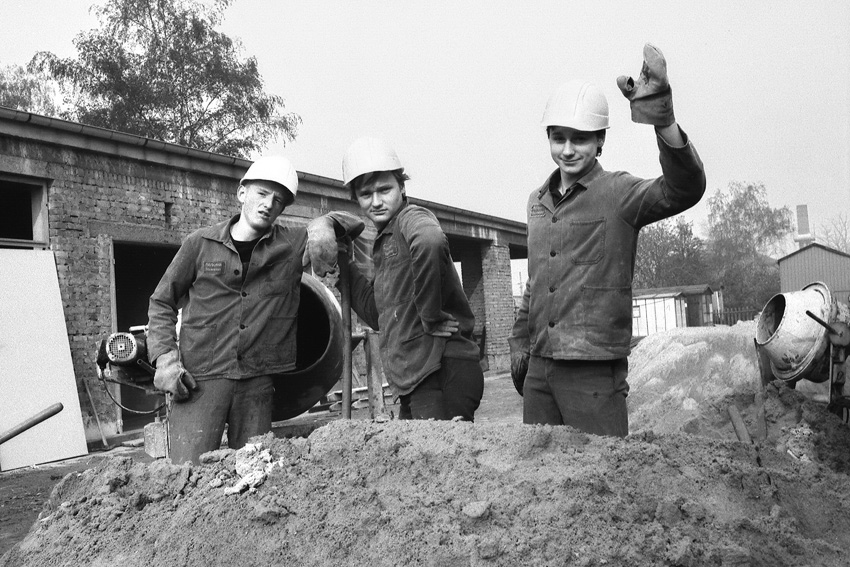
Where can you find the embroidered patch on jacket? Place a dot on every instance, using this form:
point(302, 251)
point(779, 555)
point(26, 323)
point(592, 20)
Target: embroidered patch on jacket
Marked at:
point(390, 248)
point(537, 211)
point(214, 267)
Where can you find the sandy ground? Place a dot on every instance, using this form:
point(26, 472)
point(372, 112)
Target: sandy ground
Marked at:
point(680, 490)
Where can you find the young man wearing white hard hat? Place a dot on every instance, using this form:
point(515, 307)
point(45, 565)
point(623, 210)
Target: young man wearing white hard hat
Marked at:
point(571, 339)
point(238, 283)
point(416, 299)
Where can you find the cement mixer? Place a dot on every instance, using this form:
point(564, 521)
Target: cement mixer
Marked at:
point(802, 338)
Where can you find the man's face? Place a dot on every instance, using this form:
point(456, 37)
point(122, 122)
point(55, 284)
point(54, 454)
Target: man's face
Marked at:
point(573, 150)
point(262, 202)
point(380, 199)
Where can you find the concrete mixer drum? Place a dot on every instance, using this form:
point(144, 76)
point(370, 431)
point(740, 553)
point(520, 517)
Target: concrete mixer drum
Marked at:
point(795, 342)
point(804, 335)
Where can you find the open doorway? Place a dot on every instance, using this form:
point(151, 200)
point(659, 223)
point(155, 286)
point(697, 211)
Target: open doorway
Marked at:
point(138, 269)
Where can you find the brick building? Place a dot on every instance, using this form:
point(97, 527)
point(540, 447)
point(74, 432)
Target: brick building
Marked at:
point(113, 208)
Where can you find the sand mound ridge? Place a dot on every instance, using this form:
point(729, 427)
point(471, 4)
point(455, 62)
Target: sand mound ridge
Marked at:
point(424, 493)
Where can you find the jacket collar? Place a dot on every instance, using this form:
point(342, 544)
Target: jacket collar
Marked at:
point(390, 228)
point(544, 195)
point(220, 232)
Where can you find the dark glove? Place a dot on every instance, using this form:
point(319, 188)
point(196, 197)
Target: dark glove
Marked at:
point(171, 377)
point(519, 368)
point(651, 98)
point(322, 248)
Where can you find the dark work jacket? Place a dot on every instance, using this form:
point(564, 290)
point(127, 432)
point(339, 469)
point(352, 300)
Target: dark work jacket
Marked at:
point(577, 303)
point(415, 288)
point(230, 328)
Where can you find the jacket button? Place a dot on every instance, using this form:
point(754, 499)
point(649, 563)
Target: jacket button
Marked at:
point(551, 289)
point(244, 294)
point(554, 219)
point(241, 326)
point(238, 357)
point(552, 253)
point(235, 272)
point(551, 323)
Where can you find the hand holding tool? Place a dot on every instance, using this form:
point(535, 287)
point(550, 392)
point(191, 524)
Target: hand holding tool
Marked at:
point(321, 250)
point(171, 377)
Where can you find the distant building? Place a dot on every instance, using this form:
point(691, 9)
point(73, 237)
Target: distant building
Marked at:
point(663, 308)
point(816, 263)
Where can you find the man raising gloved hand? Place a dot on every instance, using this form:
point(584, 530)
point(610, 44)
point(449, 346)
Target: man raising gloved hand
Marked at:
point(651, 96)
point(574, 325)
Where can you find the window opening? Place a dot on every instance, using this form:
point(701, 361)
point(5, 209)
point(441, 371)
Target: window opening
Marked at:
point(23, 216)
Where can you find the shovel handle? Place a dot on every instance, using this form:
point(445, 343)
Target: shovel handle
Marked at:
point(34, 420)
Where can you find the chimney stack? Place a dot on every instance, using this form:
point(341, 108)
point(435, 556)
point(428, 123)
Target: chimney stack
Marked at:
point(804, 236)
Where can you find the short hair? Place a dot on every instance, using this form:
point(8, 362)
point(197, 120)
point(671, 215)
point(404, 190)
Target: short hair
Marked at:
point(361, 180)
point(288, 197)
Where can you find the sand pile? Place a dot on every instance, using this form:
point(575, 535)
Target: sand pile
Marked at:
point(680, 491)
point(403, 493)
point(684, 380)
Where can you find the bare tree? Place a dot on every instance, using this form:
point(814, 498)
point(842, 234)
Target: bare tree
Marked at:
point(836, 233)
point(744, 235)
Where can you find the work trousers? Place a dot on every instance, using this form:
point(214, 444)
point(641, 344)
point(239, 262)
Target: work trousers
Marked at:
point(196, 425)
point(588, 395)
point(454, 390)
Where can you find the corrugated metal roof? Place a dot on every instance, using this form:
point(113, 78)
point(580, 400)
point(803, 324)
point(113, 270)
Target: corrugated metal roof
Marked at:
point(814, 245)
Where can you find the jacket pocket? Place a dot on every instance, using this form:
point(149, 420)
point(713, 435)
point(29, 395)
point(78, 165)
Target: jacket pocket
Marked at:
point(393, 284)
point(408, 357)
point(586, 241)
point(276, 288)
point(607, 314)
point(197, 347)
point(278, 345)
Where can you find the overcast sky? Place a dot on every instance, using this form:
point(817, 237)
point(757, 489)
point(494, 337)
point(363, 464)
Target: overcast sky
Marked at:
point(459, 87)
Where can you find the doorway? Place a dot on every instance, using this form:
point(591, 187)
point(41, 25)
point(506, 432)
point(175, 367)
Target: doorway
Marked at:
point(138, 269)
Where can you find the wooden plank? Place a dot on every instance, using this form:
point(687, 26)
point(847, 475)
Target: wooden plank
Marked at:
point(738, 425)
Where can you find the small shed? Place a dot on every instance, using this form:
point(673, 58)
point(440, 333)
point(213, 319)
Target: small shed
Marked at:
point(659, 309)
point(816, 263)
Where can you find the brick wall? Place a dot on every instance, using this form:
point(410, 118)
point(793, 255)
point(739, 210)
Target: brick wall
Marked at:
point(498, 304)
point(94, 199)
point(468, 253)
point(486, 269)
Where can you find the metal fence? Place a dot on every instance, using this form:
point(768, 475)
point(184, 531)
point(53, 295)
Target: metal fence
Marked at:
point(732, 316)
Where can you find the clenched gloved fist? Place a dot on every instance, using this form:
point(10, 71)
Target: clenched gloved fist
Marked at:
point(322, 248)
point(651, 97)
point(171, 377)
point(519, 368)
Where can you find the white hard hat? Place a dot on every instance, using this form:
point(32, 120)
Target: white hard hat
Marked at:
point(273, 168)
point(366, 155)
point(578, 105)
